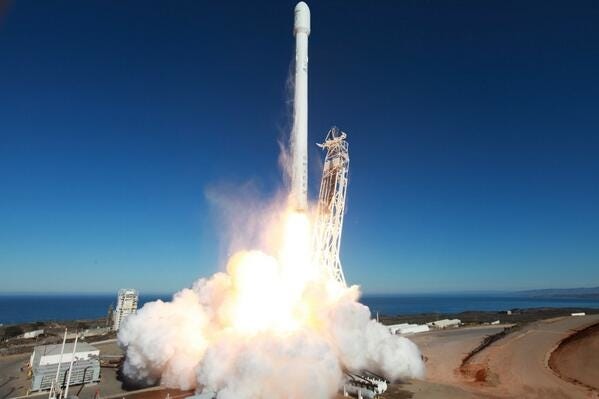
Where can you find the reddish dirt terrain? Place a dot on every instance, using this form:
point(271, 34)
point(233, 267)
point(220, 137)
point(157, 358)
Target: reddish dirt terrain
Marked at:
point(576, 359)
point(517, 365)
point(445, 349)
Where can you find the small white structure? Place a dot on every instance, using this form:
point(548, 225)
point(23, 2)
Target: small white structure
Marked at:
point(364, 385)
point(32, 334)
point(92, 332)
point(126, 305)
point(445, 323)
point(579, 314)
point(413, 329)
point(407, 328)
point(89, 332)
point(394, 328)
point(494, 323)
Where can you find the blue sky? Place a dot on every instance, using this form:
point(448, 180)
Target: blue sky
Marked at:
point(473, 130)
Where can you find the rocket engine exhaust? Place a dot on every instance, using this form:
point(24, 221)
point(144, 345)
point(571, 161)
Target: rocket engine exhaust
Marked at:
point(299, 135)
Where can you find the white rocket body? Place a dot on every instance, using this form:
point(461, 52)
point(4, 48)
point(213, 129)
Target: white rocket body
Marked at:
point(299, 140)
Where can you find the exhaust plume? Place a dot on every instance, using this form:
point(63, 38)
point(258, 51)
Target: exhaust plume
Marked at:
point(271, 326)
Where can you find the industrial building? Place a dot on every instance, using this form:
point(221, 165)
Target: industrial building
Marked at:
point(126, 304)
point(45, 360)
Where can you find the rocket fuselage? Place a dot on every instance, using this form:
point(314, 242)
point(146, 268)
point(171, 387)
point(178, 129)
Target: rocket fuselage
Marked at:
point(299, 142)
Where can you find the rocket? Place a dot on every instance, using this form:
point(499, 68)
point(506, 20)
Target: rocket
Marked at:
point(299, 134)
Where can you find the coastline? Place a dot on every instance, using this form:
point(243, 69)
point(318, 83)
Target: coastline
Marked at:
point(27, 308)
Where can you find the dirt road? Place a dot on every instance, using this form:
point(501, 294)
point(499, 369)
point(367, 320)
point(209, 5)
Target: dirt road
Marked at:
point(516, 366)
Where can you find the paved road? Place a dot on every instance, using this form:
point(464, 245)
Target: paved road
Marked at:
point(517, 365)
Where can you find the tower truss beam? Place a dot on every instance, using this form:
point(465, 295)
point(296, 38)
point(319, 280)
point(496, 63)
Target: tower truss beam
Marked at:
point(331, 203)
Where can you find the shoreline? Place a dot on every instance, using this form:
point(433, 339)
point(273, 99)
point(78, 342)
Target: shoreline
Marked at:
point(27, 308)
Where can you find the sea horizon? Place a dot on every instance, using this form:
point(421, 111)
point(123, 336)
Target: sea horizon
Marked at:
point(369, 294)
point(43, 307)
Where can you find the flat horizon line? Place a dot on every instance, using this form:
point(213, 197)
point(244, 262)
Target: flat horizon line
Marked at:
point(368, 294)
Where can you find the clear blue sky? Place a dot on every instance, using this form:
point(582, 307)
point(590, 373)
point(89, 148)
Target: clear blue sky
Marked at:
point(473, 129)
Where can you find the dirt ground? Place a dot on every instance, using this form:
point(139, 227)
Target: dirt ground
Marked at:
point(577, 357)
point(445, 349)
point(13, 381)
point(516, 366)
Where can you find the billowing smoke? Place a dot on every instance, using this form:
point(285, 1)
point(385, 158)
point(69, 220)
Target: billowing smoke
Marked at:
point(271, 326)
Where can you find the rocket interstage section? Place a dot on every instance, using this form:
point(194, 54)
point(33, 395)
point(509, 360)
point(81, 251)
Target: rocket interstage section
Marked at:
point(299, 141)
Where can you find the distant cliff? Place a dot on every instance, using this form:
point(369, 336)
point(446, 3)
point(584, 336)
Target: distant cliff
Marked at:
point(582, 293)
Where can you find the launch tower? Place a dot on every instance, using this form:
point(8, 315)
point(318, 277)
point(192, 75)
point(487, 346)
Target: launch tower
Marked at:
point(331, 203)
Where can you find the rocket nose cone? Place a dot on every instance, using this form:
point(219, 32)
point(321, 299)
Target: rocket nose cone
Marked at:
point(302, 6)
point(302, 18)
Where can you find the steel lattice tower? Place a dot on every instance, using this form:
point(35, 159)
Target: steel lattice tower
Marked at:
point(331, 203)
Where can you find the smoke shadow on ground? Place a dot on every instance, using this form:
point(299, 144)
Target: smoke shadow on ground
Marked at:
point(129, 384)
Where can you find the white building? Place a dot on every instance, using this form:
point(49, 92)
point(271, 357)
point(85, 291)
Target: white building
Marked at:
point(407, 328)
point(45, 359)
point(126, 305)
point(394, 328)
point(413, 329)
point(445, 323)
point(32, 334)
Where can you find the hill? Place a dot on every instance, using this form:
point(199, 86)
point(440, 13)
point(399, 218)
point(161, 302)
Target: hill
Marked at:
point(586, 293)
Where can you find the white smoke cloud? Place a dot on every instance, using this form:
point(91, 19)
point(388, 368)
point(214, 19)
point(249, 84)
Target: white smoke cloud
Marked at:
point(194, 341)
point(300, 365)
point(274, 325)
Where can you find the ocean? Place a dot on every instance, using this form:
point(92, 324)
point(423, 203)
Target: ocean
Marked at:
point(29, 308)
